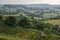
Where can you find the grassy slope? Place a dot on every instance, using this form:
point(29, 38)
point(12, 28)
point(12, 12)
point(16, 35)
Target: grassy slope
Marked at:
point(16, 33)
point(19, 33)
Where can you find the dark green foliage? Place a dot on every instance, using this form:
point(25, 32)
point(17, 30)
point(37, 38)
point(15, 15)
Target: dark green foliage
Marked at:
point(25, 22)
point(48, 25)
point(10, 21)
point(40, 26)
point(59, 30)
point(56, 27)
point(1, 17)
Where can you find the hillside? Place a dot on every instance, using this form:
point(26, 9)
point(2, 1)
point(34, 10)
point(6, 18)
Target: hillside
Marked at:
point(26, 29)
point(30, 22)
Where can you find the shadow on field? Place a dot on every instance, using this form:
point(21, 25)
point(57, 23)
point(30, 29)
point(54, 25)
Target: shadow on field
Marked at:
point(3, 39)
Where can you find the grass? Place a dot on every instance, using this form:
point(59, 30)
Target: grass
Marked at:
point(55, 22)
point(10, 38)
point(16, 33)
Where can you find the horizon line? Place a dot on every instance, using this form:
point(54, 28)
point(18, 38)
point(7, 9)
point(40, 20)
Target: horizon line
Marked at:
point(27, 4)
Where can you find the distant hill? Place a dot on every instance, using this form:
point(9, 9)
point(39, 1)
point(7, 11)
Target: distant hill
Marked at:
point(38, 5)
point(42, 6)
point(14, 6)
point(30, 5)
point(1, 5)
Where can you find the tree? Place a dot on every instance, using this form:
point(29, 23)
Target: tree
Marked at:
point(40, 26)
point(24, 22)
point(56, 27)
point(10, 21)
point(49, 26)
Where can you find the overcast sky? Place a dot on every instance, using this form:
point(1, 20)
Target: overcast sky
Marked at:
point(29, 1)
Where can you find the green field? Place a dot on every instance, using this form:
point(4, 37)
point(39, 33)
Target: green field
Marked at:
point(55, 22)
